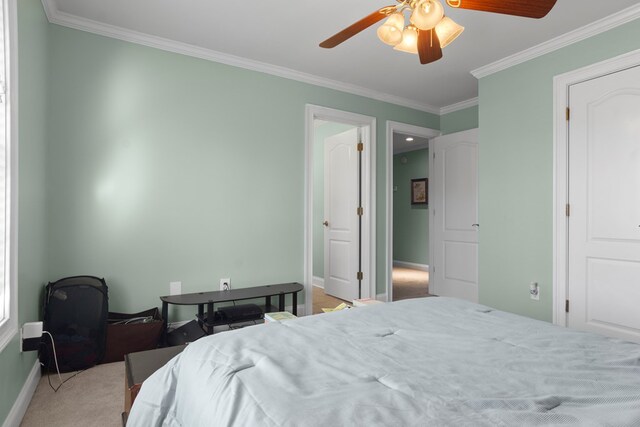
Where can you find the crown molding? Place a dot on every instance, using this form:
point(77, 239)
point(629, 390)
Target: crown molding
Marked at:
point(459, 106)
point(72, 21)
point(620, 18)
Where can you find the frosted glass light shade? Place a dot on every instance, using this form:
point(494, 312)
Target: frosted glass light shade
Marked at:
point(409, 40)
point(427, 14)
point(447, 31)
point(391, 31)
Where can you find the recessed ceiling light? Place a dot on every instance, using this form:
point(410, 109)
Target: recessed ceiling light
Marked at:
point(409, 139)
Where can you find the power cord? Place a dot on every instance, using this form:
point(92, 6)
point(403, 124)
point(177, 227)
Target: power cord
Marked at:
point(55, 389)
point(55, 358)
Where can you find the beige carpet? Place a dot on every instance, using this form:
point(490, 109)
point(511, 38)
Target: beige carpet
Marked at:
point(409, 283)
point(322, 300)
point(95, 397)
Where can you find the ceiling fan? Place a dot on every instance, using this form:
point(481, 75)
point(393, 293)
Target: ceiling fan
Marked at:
point(430, 30)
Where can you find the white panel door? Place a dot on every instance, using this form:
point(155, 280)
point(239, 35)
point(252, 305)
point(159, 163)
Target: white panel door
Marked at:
point(604, 194)
point(341, 233)
point(453, 226)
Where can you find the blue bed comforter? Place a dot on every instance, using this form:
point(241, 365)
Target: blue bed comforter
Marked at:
point(429, 361)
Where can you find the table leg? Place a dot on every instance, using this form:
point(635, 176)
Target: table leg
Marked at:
point(200, 314)
point(281, 298)
point(267, 306)
point(165, 322)
point(210, 318)
point(294, 298)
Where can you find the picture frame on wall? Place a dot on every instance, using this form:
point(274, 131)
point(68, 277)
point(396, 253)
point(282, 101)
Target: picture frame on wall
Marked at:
point(419, 191)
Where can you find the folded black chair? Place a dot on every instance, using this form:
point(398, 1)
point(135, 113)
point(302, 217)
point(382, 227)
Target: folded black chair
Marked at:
point(75, 313)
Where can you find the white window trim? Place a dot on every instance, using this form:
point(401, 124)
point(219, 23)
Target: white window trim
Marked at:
point(9, 327)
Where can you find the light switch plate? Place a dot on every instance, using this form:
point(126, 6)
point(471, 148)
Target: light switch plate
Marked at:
point(175, 288)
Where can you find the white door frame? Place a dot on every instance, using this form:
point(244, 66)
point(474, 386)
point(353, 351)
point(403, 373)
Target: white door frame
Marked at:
point(368, 124)
point(561, 84)
point(412, 130)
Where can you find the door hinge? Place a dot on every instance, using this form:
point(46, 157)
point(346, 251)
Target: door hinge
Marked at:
point(360, 211)
point(360, 147)
point(566, 306)
point(568, 113)
point(360, 276)
point(568, 209)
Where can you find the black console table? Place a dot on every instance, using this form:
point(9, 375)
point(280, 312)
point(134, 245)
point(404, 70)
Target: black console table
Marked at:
point(215, 297)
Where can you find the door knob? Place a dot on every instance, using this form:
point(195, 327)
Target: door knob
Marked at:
point(326, 223)
point(475, 225)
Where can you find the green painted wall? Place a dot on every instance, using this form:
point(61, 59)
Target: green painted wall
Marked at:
point(516, 171)
point(410, 222)
point(166, 167)
point(459, 120)
point(33, 32)
point(323, 131)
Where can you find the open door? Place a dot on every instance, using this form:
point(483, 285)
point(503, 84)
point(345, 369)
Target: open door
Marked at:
point(453, 188)
point(342, 228)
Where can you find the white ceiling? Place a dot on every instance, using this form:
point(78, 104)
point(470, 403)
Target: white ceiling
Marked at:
point(401, 145)
point(286, 34)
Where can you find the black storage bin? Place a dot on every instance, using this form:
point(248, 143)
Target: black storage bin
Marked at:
point(130, 333)
point(185, 334)
point(75, 314)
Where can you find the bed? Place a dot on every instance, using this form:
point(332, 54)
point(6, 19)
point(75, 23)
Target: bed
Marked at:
point(428, 361)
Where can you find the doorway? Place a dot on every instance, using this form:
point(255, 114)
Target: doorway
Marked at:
point(407, 210)
point(598, 226)
point(340, 207)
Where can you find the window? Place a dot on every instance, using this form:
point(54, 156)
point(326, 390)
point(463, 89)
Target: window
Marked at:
point(8, 289)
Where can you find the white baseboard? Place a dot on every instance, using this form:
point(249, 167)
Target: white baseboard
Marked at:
point(413, 265)
point(382, 297)
point(24, 398)
point(318, 282)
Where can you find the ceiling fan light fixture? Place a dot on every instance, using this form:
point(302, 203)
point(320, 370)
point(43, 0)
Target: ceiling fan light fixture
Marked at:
point(391, 31)
point(448, 30)
point(427, 14)
point(409, 42)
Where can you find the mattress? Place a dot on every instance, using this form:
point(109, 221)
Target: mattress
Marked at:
point(428, 361)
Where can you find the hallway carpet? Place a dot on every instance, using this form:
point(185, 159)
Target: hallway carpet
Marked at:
point(409, 283)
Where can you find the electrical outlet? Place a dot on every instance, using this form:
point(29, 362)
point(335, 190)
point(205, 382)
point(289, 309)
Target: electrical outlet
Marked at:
point(30, 335)
point(225, 284)
point(175, 288)
point(534, 291)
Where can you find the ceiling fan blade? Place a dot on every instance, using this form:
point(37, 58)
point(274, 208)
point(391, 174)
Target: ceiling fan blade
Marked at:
point(361, 25)
point(529, 9)
point(428, 46)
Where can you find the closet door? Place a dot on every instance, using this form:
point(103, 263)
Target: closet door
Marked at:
point(604, 195)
